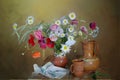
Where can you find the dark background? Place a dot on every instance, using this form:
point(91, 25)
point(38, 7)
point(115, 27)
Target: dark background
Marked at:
point(105, 12)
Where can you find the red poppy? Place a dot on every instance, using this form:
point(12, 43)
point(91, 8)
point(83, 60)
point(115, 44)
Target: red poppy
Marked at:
point(50, 43)
point(36, 55)
point(31, 40)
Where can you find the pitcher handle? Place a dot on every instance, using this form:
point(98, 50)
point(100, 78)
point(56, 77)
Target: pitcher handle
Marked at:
point(71, 68)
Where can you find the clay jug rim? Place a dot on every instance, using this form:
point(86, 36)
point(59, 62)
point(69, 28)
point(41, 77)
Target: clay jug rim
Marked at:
point(77, 60)
point(89, 41)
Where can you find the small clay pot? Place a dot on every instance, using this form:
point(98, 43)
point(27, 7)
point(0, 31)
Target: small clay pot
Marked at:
point(77, 68)
point(91, 64)
point(60, 61)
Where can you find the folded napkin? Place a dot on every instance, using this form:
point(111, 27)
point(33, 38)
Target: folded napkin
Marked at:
point(50, 70)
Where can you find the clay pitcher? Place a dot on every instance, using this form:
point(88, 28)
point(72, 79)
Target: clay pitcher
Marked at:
point(89, 48)
point(91, 64)
point(77, 68)
point(60, 61)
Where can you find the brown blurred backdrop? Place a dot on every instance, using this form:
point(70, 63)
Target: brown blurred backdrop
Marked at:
point(104, 12)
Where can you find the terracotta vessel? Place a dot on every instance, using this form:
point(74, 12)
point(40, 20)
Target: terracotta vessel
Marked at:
point(91, 64)
point(60, 61)
point(89, 48)
point(77, 68)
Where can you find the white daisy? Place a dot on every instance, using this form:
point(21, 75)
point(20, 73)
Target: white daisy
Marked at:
point(30, 20)
point(58, 22)
point(72, 16)
point(80, 33)
point(65, 48)
point(65, 22)
point(71, 29)
point(75, 33)
point(70, 42)
point(70, 38)
point(62, 35)
point(14, 26)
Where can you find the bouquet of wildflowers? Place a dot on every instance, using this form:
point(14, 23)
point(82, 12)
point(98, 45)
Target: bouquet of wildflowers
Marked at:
point(59, 35)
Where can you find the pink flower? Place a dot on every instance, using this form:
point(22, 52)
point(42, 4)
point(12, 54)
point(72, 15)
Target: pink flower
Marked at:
point(74, 22)
point(93, 25)
point(38, 34)
point(42, 43)
point(53, 27)
point(84, 29)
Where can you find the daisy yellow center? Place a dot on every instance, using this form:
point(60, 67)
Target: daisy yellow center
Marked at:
point(14, 27)
point(65, 21)
point(65, 47)
point(57, 22)
point(72, 15)
point(71, 28)
point(62, 34)
point(71, 38)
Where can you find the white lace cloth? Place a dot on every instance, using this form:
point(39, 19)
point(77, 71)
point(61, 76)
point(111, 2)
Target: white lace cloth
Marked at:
point(49, 70)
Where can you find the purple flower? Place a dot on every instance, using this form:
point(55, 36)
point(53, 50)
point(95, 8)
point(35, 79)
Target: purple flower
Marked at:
point(53, 27)
point(92, 25)
point(84, 29)
point(38, 34)
point(59, 31)
point(74, 22)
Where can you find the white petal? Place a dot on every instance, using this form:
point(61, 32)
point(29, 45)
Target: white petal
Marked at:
point(70, 42)
point(40, 28)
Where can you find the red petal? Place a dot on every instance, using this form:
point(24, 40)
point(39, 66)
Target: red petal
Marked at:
point(48, 40)
point(31, 40)
point(50, 45)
